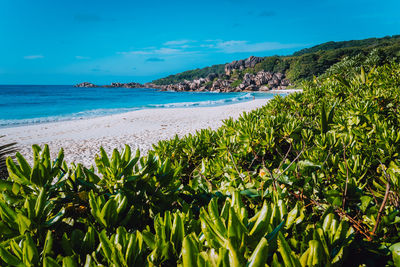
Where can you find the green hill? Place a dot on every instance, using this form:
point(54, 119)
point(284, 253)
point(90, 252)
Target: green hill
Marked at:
point(306, 63)
point(191, 74)
point(370, 42)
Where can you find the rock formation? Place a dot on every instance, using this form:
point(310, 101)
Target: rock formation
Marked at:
point(85, 84)
point(260, 81)
point(242, 64)
point(123, 85)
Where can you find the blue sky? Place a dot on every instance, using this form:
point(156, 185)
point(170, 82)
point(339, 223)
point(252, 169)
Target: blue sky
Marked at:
point(66, 42)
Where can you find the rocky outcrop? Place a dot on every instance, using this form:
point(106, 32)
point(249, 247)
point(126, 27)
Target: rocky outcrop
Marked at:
point(126, 85)
point(260, 81)
point(115, 85)
point(85, 84)
point(242, 64)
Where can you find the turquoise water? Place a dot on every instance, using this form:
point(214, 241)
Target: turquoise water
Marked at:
point(29, 104)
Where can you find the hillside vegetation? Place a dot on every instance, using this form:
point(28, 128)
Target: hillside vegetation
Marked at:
point(191, 75)
point(306, 63)
point(315, 185)
point(370, 43)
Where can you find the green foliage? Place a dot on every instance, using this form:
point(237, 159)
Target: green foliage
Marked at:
point(5, 150)
point(350, 66)
point(310, 62)
point(236, 83)
point(191, 75)
point(315, 185)
point(370, 42)
point(274, 64)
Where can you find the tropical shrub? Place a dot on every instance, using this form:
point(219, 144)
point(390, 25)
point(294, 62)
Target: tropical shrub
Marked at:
point(6, 149)
point(310, 179)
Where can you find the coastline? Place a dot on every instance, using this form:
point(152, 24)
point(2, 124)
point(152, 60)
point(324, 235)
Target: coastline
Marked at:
point(81, 139)
point(140, 129)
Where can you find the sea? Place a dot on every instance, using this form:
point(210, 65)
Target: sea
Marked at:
point(32, 104)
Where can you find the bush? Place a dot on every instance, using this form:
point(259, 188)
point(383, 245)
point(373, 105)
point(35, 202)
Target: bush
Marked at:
point(310, 179)
point(236, 83)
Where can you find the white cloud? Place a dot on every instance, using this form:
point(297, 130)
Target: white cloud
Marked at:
point(239, 46)
point(138, 52)
point(207, 45)
point(33, 57)
point(179, 47)
point(159, 51)
point(81, 57)
point(167, 51)
point(213, 40)
point(177, 42)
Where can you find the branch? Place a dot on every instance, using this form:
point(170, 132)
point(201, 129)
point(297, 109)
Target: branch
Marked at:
point(286, 155)
point(293, 161)
point(378, 218)
point(233, 161)
point(356, 224)
point(347, 177)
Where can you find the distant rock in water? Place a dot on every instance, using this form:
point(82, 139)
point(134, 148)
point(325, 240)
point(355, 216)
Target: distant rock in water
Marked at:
point(112, 85)
point(126, 85)
point(85, 84)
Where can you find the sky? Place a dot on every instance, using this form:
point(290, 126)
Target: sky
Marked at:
point(104, 41)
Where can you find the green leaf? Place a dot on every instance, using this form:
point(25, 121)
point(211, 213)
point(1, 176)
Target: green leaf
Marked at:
point(108, 213)
point(252, 193)
point(177, 232)
point(285, 251)
point(189, 252)
point(261, 225)
point(104, 157)
point(106, 245)
point(292, 215)
point(395, 249)
point(149, 239)
point(260, 254)
point(6, 213)
point(324, 122)
point(273, 234)
point(9, 258)
point(40, 202)
point(53, 220)
point(15, 173)
point(50, 262)
point(6, 185)
point(48, 244)
point(66, 245)
point(30, 252)
point(69, 262)
point(23, 222)
point(25, 168)
point(365, 200)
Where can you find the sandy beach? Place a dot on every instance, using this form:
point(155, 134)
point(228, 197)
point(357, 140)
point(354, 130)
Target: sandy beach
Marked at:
point(140, 129)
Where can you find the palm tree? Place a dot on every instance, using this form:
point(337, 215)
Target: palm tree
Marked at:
point(5, 151)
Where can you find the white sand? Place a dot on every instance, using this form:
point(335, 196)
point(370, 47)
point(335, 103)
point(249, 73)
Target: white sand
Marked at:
point(81, 139)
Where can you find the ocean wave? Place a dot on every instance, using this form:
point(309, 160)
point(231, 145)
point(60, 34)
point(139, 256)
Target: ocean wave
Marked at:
point(104, 112)
point(65, 117)
point(207, 103)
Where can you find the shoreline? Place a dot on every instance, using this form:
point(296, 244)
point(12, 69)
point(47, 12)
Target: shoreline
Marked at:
point(140, 129)
point(81, 139)
point(46, 120)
